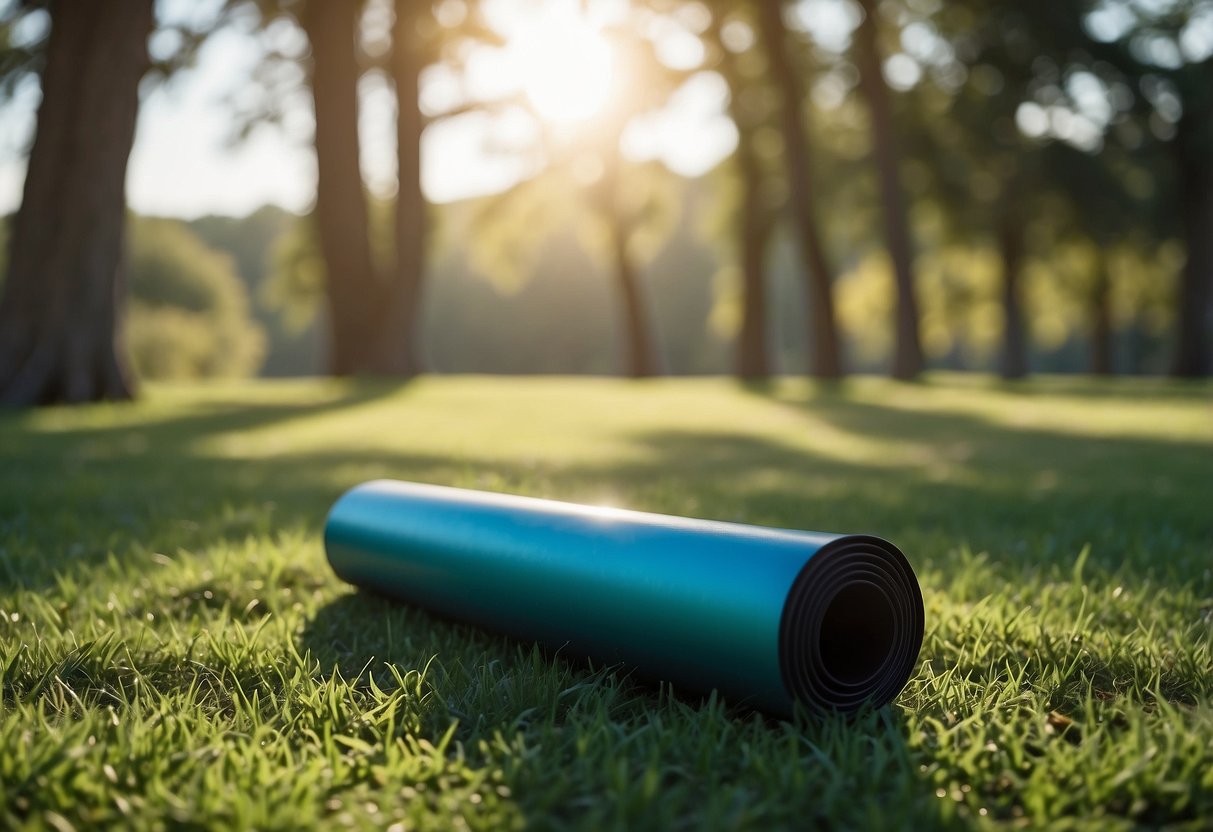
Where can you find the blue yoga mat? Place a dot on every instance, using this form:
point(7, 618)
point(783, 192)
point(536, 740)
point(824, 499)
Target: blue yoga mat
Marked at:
point(768, 617)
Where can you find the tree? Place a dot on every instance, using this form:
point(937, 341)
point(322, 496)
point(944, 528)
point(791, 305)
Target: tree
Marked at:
point(60, 312)
point(620, 212)
point(1009, 238)
point(1138, 53)
point(1194, 162)
point(374, 303)
point(752, 221)
point(1192, 149)
point(610, 199)
point(418, 40)
point(1120, 217)
point(987, 173)
point(621, 207)
point(752, 361)
point(1176, 97)
point(825, 359)
point(352, 287)
point(402, 314)
point(907, 354)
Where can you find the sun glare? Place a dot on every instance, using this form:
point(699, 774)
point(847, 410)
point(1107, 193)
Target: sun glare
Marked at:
point(565, 65)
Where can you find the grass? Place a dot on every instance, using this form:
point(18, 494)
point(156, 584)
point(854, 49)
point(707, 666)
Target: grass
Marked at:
point(174, 651)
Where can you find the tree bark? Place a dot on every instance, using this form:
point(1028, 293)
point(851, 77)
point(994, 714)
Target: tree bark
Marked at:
point(1193, 341)
point(1100, 313)
point(1014, 364)
point(907, 357)
point(640, 357)
point(351, 285)
point(825, 358)
point(606, 197)
point(400, 334)
point(752, 361)
point(60, 315)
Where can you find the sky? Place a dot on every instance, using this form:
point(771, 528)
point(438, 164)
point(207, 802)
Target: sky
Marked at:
point(185, 161)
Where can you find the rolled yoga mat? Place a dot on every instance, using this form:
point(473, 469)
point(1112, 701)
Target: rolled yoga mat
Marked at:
point(765, 616)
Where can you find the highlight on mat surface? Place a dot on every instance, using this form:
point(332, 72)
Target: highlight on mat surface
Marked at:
point(766, 616)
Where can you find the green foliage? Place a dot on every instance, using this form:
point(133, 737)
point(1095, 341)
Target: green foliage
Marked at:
point(189, 315)
point(291, 348)
point(559, 313)
point(509, 230)
point(295, 285)
point(960, 294)
point(174, 650)
point(248, 240)
point(958, 288)
point(1142, 287)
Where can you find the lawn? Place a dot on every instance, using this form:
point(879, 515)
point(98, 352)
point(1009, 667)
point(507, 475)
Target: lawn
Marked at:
point(174, 650)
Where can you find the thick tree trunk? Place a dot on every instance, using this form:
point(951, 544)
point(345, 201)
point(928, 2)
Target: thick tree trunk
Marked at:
point(1193, 341)
point(1100, 313)
point(354, 293)
point(640, 357)
point(907, 357)
point(1014, 363)
point(825, 359)
point(400, 335)
point(64, 291)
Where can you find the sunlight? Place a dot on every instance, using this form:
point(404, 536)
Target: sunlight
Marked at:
point(564, 64)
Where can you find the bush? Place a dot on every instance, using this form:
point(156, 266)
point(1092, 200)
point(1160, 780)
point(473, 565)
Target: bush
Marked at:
point(189, 312)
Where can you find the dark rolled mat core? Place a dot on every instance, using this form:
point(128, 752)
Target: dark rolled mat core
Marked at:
point(852, 626)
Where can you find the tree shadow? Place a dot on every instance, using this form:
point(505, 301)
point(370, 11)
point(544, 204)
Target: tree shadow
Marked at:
point(71, 499)
point(1013, 490)
point(932, 482)
point(1118, 387)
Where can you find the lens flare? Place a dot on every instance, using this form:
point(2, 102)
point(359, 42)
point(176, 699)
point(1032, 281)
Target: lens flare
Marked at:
point(565, 65)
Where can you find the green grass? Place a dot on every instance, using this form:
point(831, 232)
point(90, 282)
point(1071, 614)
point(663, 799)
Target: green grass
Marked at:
point(174, 651)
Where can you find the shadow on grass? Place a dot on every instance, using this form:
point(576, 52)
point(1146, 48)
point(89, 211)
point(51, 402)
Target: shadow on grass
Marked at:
point(73, 497)
point(70, 498)
point(509, 698)
point(362, 631)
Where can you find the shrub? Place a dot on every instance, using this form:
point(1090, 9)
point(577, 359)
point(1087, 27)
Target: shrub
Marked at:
point(189, 312)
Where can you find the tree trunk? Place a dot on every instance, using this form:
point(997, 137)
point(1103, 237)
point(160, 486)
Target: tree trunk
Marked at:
point(1193, 343)
point(1101, 319)
point(352, 288)
point(825, 359)
point(400, 336)
point(1014, 363)
point(640, 353)
point(907, 358)
point(606, 197)
point(752, 362)
point(61, 309)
